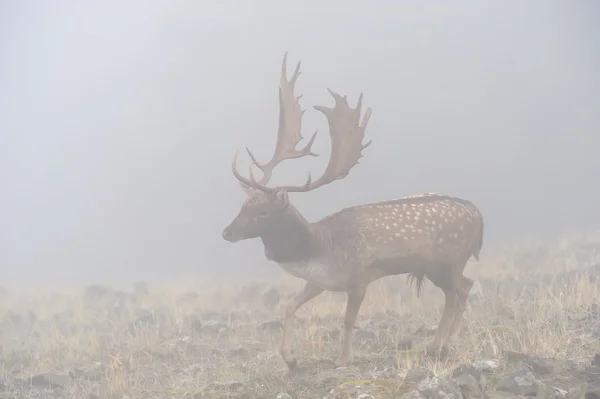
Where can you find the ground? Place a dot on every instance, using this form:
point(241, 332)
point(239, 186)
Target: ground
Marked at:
point(532, 328)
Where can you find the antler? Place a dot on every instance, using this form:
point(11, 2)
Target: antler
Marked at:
point(344, 128)
point(290, 126)
point(346, 138)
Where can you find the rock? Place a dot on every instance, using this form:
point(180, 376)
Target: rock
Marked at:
point(143, 316)
point(439, 386)
point(365, 396)
point(239, 352)
point(211, 316)
point(350, 391)
point(521, 382)
point(488, 366)
point(502, 395)
point(250, 292)
point(272, 326)
point(467, 369)
point(405, 343)
point(227, 385)
point(364, 336)
point(560, 393)
point(283, 395)
point(414, 394)
point(470, 379)
point(469, 386)
point(122, 298)
point(389, 372)
point(414, 374)
point(196, 325)
point(91, 372)
point(213, 326)
point(22, 320)
point(49, 380)
point(95, 292)
point(188, 297)
point(538, 365)
point(583, 392)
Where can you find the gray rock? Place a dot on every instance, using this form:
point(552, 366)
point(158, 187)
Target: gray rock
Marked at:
point(472, 380)
point(414, 374)
point(271, 326)
point(439, 386)
point(469, 386)
point(188, 297)
point(227, 385)
point(521, 382)
point(583, 392)
point(414, 394)
point(502, 395)
point(214, 326)
point(95, 292)
point(283, 395)
point(143, 316)
point(91, 372)
point(488, 366)
point(538, 365)
point(50, 380)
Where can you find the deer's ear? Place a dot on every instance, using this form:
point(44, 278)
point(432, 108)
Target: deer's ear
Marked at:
point(247, 189)
point(281, 197)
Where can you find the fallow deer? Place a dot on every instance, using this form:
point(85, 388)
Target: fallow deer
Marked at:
point(427, 235)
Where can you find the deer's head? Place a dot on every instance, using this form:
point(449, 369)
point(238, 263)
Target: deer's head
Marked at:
point(261, 213)
point(267, 210)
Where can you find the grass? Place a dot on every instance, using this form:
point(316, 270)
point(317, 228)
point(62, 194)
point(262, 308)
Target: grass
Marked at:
point(223, 341)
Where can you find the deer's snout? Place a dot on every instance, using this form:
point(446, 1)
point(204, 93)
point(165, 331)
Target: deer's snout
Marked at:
point(228, 234)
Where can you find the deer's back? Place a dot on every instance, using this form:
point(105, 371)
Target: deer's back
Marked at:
point(424, 228)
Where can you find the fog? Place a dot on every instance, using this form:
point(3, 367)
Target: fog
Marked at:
point(118, 122)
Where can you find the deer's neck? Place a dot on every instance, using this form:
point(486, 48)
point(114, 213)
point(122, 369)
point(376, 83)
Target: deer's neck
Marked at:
point(292, 240)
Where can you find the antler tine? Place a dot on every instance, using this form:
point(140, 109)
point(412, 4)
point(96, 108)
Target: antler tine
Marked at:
point(346, 137)
point(345, 128)
point(290, 123)
point(346, 141)
point(237, 175)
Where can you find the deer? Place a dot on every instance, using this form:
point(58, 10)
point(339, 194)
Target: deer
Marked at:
point(427, 236)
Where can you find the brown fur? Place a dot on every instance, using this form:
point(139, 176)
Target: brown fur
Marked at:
point(427, 235)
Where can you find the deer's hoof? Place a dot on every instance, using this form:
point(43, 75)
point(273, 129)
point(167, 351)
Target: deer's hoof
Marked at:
point(434, 349)
point(288, 357)
point(291, 363)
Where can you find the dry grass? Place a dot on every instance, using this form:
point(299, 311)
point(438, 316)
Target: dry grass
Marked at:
point(171, 345)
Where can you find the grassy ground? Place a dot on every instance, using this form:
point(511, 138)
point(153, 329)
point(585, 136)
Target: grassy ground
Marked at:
point(203, 340)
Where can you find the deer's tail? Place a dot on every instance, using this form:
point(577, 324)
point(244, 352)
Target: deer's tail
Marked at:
point(479, 243)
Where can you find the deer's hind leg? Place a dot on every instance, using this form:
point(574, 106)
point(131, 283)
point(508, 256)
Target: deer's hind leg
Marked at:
point(463, 290)
point(456, 288)
point(448, 280)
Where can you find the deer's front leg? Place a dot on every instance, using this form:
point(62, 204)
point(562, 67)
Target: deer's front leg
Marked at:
point(287, 353)
point(355, 300)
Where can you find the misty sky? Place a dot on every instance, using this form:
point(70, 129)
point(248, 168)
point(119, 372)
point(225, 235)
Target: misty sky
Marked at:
point(118, 121)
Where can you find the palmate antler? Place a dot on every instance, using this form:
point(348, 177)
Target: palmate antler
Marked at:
point(344, 128)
